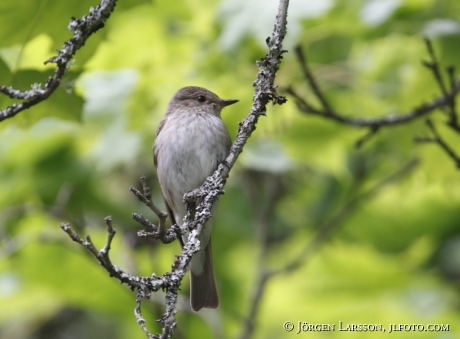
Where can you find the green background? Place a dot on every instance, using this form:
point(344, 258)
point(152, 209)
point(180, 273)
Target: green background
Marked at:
point(394, 260)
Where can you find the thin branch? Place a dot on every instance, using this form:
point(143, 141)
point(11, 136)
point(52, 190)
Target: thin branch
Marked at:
point(272, 192)
point(323, 233)
point(152, 231)
point(391, 119)
point(152, 283)
point(440, 141)
point(311, 79)
point(361, 141)
point(146, 197)
point(256, 299)
point(434, 66)
point(82, 29)
point(138, 314)
point(111, 233)
point(446, 102)
point(328, 227)
point(453, 122)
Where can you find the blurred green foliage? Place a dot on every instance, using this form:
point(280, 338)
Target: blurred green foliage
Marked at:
point(395, 260)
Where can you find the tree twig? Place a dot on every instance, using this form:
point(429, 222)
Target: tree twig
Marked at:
point(434, 66)
point(391, 119)
point(446, 101)
point(440, 141)
point(325, 230)
point(82, 29)
point(152, 231)
point(311, 81)
point(272, 191)
point(152, 283)
point(329, 226)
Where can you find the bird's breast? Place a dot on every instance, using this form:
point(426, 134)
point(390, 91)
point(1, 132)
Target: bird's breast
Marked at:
point(189, 148)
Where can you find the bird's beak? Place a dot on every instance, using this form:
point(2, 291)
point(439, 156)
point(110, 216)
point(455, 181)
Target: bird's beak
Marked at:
point(229, 102)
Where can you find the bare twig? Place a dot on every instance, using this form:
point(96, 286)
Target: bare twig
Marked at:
point(434, 66)
point(264, 208)
point(152, 231)
point(152, 283)
point(146, 197)
point(325, 230)
point(446, 102)
point(372, 130)
point(82, 29)
point(311, 81)
point(332, 224)
point(453, 122)
point(440, 141)
point(166, 236)
point(249, 325)
point(391, 119)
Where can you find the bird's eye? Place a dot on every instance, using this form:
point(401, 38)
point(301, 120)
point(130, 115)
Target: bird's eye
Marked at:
point(201, 98)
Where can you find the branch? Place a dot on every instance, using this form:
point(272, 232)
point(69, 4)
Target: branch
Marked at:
point(438, 140)
point(328, 227)
point(150, 283)
point(311, 79)
point(446, 100)
point(159, 232)
point(199, 202)
point(82, 29)
point(272, 191)
point(391, 119)
point(144, 285)
point(256, 299)
point(264, 274)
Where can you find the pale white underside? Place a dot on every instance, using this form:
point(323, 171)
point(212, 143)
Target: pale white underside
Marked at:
point(189, 148)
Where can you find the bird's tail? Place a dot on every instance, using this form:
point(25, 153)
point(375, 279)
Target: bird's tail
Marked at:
point(203, 289)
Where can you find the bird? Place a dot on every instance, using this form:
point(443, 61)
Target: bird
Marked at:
point(191, 141)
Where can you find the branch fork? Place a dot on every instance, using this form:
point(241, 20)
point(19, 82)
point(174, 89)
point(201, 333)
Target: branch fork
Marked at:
point(82, 29)
point(446, 102)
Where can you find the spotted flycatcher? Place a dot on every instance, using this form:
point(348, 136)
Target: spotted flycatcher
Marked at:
point(190, 143)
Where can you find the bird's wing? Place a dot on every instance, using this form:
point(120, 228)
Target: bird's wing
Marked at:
point(155, 149)
point(155, 163)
